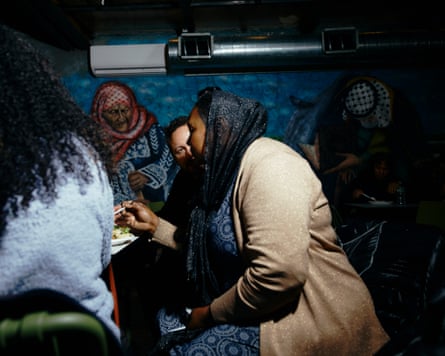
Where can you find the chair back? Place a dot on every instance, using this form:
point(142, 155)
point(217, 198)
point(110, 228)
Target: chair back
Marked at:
point(402, 265)
point(431, 213)
point(46, 322)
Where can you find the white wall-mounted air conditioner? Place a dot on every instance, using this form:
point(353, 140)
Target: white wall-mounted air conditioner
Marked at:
point(127, 60)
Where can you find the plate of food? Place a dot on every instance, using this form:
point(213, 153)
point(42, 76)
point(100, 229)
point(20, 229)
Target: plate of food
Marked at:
point(121, 235)
point(380, 202)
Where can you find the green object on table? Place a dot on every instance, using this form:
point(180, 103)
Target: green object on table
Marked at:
point(156, 205)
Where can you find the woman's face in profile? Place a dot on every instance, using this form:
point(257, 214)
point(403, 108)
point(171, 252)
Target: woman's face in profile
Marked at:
point(197, 135)
point(118, 117)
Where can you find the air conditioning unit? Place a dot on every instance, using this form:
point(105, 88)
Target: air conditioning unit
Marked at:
point(128, 60)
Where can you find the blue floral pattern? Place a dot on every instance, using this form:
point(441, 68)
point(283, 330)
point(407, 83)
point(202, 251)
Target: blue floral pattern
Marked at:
point(224, 339)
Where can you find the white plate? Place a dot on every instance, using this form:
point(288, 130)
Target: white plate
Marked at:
point(380, 202)
point(121, 241)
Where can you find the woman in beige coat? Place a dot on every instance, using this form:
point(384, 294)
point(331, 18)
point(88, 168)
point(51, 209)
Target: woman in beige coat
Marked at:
point(266, 273)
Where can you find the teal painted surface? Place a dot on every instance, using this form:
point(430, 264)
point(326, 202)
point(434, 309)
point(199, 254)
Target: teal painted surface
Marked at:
point(172, 95)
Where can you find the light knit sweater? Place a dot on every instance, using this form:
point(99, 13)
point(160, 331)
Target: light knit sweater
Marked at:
point(298, 279)
point(63, 246)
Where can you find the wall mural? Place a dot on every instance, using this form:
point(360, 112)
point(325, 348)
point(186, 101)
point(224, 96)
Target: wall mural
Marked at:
point(172, 95)
point(287, 97)
point(145, 166)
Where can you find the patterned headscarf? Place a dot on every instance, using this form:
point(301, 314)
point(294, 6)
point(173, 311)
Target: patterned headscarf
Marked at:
point(233, 123)
point(109, 94)
point(370, 101)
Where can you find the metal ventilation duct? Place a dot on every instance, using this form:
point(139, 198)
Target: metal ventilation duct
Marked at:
point(333, 48)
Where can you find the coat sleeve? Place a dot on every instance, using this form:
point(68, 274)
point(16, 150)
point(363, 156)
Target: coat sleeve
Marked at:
point(275, 196)
point(165, 235)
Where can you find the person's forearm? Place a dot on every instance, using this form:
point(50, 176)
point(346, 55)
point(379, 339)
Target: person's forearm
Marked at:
point(165, 235)
point(201, 317)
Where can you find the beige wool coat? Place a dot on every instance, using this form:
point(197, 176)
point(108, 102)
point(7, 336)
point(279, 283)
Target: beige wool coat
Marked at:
point(298, 281)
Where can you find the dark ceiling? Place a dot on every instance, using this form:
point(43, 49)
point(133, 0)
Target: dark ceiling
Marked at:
point(76, 24)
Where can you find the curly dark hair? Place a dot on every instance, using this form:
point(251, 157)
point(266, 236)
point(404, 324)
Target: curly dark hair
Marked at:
point(173, 125)
point(40, 123)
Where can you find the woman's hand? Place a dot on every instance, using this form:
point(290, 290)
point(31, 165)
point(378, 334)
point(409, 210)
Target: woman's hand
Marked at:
point(357, 193)
point(201, 318)
point(137, 180)
point(137, 216)
point(392, 187)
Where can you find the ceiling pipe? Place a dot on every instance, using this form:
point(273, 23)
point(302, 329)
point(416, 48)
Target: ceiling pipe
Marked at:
point(330, 49)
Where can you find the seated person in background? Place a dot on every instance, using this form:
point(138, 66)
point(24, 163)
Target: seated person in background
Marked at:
point(56, 201)
point(166, 273)
point(354, 118)
point(182, 196)
point(145, 167)
point(265, 271)
point(181, 199)
point(376, 181)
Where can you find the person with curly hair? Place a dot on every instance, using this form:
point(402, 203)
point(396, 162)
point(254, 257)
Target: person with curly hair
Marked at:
point(56, 200)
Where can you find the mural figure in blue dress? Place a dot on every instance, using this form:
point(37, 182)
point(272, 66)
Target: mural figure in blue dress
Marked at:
point(145, 168)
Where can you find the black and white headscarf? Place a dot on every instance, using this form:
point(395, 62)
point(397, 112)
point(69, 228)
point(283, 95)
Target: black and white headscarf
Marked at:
point(233, 123)
point(369, 101)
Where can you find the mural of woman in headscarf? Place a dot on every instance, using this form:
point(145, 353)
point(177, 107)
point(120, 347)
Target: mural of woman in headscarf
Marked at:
point(145, 166)
point(354, 118)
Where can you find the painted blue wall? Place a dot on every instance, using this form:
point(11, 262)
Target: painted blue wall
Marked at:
point(172, 95)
